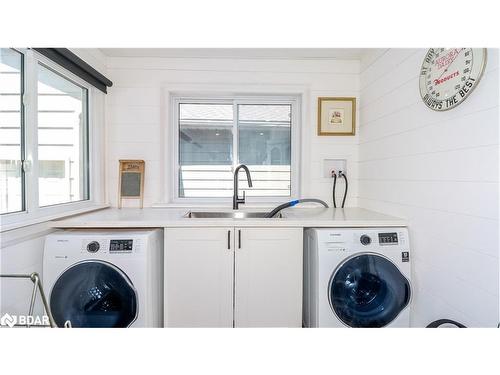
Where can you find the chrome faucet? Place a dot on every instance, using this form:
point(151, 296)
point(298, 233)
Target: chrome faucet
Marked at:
point(236, 199)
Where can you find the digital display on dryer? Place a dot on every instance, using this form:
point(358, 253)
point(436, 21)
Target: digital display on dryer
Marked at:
point(388, 238)
point(121, 245)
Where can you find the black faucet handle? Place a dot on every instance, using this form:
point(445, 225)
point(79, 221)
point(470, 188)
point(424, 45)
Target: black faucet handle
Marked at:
point(241, 200)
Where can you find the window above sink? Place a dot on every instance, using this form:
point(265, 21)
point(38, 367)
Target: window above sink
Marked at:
point(212, 135)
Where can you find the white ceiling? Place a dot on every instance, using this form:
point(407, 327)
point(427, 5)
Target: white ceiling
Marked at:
point(239, 53)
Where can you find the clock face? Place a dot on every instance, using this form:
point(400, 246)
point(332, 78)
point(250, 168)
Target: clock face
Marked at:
point(448, 76)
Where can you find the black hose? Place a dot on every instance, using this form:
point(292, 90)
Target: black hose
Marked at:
point(333, 192)
point(293, 203)
point(279, 208)
point(440, 322)
point(345, 191)
point(305, 200)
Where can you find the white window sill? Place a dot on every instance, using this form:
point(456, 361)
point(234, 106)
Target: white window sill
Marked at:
point(41, 219)
point(219, 205)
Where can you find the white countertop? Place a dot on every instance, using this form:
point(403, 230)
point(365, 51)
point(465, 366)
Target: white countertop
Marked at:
point(174, 217)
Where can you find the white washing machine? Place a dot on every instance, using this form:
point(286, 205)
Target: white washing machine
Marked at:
point(102, 278)
point(357, 277)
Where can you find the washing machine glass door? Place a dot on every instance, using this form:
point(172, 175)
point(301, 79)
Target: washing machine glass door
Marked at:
point(368, 290)
point(94, 294)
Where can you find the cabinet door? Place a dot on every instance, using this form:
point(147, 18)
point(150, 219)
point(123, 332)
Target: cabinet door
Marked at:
point(199, 265)
point(268, 277)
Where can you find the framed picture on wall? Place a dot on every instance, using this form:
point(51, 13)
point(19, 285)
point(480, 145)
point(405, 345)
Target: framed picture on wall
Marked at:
point(336, 116)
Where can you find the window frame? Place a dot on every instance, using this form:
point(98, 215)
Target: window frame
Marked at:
point(32, 212)
point(22, 132)
point(85, 100)
point(294, 100)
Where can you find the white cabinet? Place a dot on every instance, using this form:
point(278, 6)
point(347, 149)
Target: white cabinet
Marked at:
point(260, 269)
point(199, 277)
point(268, 277)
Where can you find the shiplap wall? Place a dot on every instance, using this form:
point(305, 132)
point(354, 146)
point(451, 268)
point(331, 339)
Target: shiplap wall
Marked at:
point(136, 114)
point(440, 171)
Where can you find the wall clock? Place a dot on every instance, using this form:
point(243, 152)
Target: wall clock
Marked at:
point(448, 76)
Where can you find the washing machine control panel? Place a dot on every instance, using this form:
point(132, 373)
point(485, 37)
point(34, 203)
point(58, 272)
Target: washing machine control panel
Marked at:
point(121, 245)
point(116, 245)
point(388, 238)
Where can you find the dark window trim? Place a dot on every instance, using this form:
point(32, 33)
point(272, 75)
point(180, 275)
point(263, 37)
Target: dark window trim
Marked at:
point(77, 66)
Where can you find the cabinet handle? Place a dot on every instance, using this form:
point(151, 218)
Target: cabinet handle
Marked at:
point(229, 240)
point(239, 238)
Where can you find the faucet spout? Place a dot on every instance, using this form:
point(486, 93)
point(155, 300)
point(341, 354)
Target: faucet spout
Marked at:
point(249, 178)
point(236, 199)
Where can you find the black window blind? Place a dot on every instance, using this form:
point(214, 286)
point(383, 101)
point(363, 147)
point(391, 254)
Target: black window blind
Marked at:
point(77, 66)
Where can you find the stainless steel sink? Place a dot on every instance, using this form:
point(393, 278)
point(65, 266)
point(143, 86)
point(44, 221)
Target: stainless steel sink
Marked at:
point(228, 215)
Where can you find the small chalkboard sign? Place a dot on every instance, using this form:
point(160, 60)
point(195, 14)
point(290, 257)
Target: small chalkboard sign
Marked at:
point(131, 181)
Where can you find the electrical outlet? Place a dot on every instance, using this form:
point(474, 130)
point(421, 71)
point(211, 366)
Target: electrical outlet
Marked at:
point(330, 165)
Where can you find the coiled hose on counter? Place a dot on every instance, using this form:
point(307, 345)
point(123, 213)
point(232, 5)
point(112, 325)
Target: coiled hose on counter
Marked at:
point(293, 203)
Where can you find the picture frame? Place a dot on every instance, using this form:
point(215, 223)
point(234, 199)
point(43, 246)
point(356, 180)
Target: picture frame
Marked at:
point(131, 181)
point(336, 116)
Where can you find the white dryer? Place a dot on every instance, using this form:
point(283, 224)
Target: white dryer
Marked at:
point(101, 278)
point(357, 277)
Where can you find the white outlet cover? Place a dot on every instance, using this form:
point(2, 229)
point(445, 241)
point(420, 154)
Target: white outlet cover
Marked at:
point(336, 165)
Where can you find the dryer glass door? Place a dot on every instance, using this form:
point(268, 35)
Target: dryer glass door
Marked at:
point(94, 294)
point(368, 290)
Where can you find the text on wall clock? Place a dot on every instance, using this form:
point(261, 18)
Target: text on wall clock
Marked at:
point(448, 76)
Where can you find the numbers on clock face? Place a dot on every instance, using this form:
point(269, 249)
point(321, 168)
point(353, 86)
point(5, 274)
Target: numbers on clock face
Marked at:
point(448, 76)
point(442, 72)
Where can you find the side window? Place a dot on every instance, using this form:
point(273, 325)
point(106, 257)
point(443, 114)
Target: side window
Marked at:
point(62, 139)
point(12, 183)
point(44, 137)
